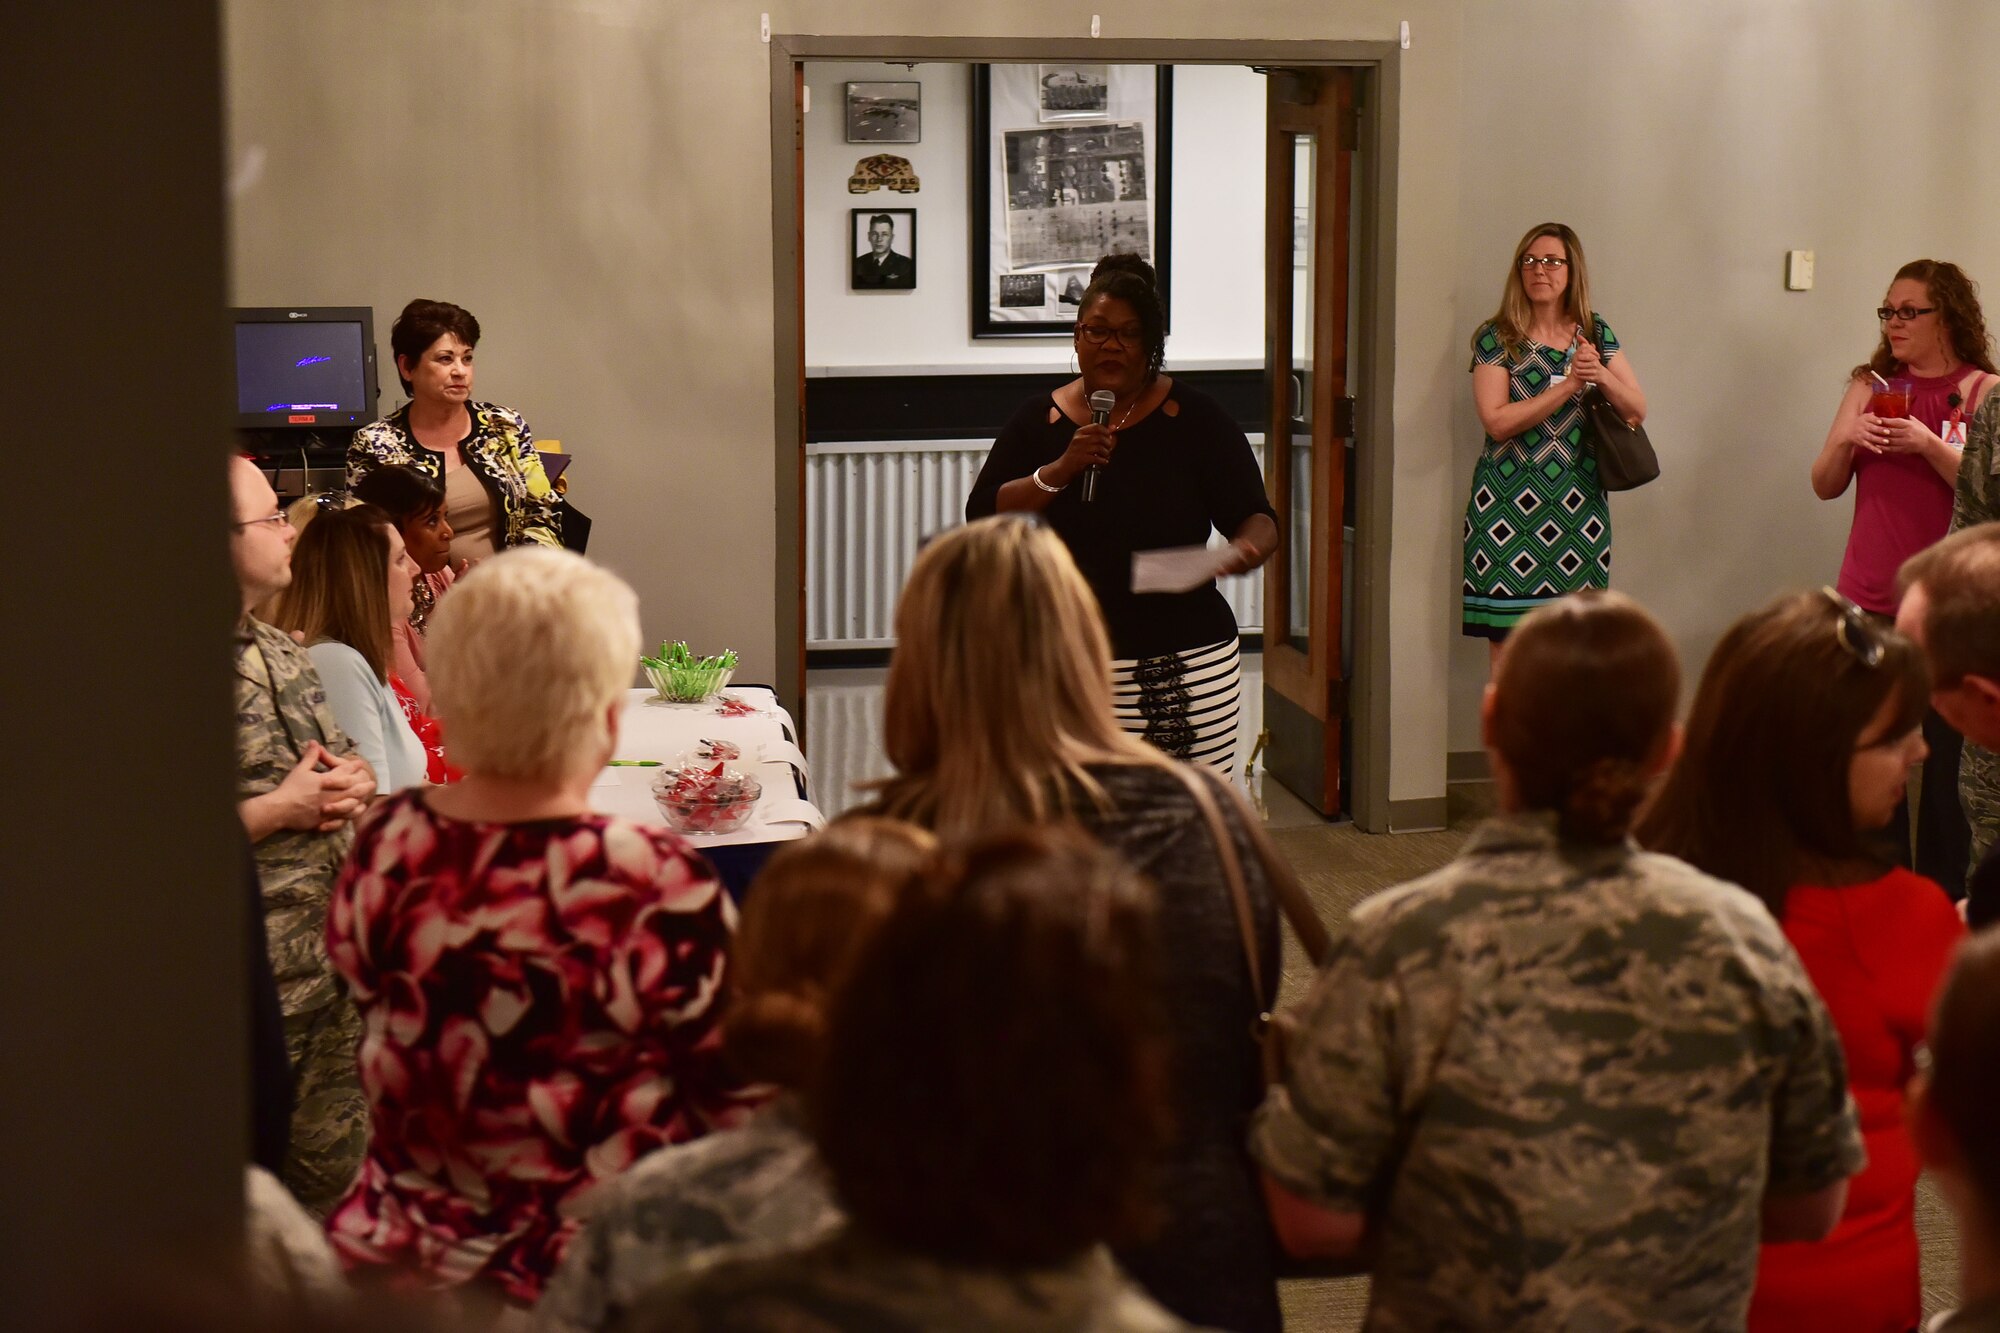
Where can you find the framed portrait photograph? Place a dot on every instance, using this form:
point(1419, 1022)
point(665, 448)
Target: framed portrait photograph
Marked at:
point(885, 112)
point(883, 246)
point(1073, 92)
point(1070, 163)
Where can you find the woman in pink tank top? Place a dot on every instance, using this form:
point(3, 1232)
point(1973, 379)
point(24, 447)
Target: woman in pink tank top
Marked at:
point(1899, 433)
point(1898, 437)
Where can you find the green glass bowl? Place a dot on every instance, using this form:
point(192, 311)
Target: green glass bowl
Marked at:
point(688, 685)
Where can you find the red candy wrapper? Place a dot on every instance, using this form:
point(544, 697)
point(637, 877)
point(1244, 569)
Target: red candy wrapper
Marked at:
point(731, 706)
point(709, 749)
point(706, 798)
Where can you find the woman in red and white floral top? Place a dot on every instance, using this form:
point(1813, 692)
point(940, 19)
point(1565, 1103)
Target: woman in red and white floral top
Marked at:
point(538, 984)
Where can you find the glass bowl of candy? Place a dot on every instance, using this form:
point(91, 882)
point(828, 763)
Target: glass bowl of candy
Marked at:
point(706, 798)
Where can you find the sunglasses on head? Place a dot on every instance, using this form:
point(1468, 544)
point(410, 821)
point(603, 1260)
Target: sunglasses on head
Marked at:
point(1857, 634)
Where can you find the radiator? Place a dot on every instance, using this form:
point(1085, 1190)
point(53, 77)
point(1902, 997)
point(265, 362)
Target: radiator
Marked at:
point(868, 508)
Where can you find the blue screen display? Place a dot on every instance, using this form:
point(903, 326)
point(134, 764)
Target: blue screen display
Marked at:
point(308, 367)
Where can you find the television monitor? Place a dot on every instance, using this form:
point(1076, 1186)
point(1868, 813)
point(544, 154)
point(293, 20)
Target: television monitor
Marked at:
point(305, 367)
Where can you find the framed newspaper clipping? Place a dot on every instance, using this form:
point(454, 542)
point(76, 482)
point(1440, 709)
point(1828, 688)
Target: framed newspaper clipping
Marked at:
point(1069, 163)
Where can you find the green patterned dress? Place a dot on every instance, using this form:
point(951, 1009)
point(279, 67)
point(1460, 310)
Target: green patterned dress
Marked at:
point(1538, 524)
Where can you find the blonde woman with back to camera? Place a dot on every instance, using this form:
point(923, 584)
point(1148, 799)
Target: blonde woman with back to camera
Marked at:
point(998, 709)
point(538, 984)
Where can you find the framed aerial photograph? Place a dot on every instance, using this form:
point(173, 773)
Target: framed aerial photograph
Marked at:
point(882, 243)
point(885, 112)
point(1073, 92)
point(1070, 163)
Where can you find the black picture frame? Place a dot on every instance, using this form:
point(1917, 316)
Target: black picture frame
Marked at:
point(892, 277)
point(878, 117)
point(988, 172)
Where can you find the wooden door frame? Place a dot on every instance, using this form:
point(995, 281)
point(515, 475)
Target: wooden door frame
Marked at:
point(1373, 329)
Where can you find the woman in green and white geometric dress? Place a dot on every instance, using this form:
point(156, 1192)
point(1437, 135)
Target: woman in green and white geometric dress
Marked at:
point(1538, 525)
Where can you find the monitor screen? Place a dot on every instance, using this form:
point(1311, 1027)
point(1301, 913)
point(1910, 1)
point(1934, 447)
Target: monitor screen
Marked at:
point(304, 368)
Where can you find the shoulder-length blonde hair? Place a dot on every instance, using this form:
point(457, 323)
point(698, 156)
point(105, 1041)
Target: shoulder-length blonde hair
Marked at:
point(1516, 313)
point(340, 585)
point(999, 692)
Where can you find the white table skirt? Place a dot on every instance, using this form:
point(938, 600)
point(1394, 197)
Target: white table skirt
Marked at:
point(651, 728)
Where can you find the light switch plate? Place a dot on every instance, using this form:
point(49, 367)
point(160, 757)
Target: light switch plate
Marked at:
point(1798, 270)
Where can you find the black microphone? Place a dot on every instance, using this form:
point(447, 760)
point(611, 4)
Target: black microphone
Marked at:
point(1101, 404)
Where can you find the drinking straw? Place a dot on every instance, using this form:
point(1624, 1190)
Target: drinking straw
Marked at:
point(1878, 379)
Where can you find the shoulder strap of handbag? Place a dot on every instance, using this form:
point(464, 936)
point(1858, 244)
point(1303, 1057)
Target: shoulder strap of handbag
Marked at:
point(1284, 885)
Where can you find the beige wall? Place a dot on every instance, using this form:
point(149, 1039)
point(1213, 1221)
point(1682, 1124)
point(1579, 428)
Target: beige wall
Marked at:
point(592, 178)
point(1691, 145)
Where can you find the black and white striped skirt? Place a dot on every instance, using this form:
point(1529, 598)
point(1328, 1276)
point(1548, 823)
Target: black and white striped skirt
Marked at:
point(1183, 703)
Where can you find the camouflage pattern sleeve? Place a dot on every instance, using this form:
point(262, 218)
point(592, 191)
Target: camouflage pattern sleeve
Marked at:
point(1328, 1132)
point(1976, 497)
point(1815, 1129)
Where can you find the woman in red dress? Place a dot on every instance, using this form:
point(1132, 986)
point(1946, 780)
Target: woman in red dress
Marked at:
point(1799, 744)
point(538, 984)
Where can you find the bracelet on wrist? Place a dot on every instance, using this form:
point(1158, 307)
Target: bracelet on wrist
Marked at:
point(1040, 485)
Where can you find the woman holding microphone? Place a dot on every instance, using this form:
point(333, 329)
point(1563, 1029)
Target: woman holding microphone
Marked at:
point(1161, 469)
point(1538, 524)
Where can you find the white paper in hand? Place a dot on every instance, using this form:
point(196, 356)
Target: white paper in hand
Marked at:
point(1176, 568)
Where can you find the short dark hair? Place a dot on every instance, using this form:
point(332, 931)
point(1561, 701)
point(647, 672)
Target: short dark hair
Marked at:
point(994, 1086)
point(1961, 581)
point(400, 491)
point(1964, 1078)
point(1582, 701)
point(1761, 783)
point(881, 217)
point(423, 323)
point(1130, 279)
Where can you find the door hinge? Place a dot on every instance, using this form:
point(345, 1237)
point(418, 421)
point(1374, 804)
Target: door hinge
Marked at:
point(1343, 418)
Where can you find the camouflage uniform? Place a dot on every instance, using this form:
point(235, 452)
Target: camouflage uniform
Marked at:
point(280, 708)
point(1559, 1080)
point(759, 1184)
point(1977, 500)
point(849, 1282)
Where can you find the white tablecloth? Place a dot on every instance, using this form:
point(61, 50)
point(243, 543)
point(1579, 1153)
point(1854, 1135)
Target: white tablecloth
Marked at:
point(652, 728)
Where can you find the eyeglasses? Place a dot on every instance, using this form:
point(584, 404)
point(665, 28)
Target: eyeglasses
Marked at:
point(1906, 313)
point(1100, 335)
point(281, 519)
point(1529, 262)
point(1855, 632)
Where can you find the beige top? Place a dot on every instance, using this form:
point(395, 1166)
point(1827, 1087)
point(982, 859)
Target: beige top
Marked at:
point(468, 507)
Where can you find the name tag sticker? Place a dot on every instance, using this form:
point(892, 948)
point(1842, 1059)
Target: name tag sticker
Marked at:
point(1953, 433)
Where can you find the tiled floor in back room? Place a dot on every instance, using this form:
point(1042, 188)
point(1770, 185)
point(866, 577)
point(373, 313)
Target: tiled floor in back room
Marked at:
point(1339, 866)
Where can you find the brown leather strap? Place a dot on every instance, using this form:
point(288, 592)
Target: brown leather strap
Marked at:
point(1232, 873)
point(1291, 897)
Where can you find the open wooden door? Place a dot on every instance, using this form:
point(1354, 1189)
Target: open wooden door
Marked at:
point(1310, 139)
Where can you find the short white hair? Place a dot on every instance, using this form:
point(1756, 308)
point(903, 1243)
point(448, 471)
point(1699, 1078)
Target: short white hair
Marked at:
point(526, 655)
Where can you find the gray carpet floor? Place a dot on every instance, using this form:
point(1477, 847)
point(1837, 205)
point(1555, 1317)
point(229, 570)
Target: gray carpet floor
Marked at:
point(1340, 866)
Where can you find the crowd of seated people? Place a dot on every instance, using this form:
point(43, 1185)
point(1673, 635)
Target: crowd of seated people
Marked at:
point(983, 1055)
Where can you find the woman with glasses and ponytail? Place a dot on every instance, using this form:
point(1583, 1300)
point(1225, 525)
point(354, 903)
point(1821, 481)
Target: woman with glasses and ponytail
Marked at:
point(1538, 525)
point(1898, 437)
point(1162, 466)
point(1801, 738)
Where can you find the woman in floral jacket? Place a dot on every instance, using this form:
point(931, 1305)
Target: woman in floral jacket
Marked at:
point(538, 984)
point(496, 494)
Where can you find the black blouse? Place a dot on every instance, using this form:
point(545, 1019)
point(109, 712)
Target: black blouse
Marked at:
point(1172, 478)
